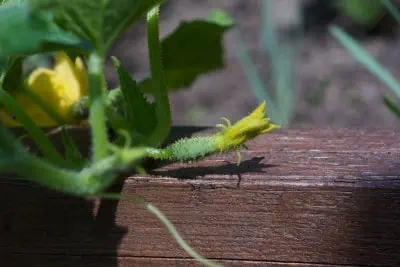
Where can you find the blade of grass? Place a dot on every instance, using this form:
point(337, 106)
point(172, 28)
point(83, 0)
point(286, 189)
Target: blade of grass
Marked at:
point(283, 83)
point(391, 105)
point(280, 57)
point(392, 9)
point(269, 40)
point(37, 134)
point(254, 80)
point(363, 57)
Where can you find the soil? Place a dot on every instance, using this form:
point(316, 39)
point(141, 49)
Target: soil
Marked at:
point(331, 89)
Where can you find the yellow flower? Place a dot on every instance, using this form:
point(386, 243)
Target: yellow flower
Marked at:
point(233, 136)
point(60, 88)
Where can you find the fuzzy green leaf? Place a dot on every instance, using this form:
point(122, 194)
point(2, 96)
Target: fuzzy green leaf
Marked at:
point(101, 22)
point(193, 49)
point(82, 17)
point(138, 112)
point(120, 15)
point(23, 33)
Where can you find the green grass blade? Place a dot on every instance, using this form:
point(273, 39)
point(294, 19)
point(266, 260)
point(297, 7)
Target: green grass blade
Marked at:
point(363, 57)
point(37, 134)
point(254, 80)
point(392, 9)
point(391, 105)
point(284, 87)
point(269, 39)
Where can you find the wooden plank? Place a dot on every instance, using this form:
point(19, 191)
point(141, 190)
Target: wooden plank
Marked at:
point(101, 261)
point(299, 196)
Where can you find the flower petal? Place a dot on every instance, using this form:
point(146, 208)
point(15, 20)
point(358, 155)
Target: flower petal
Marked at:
point(60, 89)
point(82, 76)
point(231, 137)
point(43, 82)
point(69, 76)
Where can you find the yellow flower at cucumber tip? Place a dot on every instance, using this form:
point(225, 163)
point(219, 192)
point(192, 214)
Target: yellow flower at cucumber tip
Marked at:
point(234, 136)
point(60, 87)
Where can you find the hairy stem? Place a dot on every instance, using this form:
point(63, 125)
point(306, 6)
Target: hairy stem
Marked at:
point(52, 177)
point(97, 96)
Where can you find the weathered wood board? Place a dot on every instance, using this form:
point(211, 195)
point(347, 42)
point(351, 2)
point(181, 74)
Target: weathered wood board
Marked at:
point(299, 198)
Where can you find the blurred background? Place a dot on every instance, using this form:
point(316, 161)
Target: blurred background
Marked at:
point(282, 50)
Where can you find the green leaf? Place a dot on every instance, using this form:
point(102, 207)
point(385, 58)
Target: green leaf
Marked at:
point(391, 105)
point(82, 17)
point(3, 67)
point(138, 112)
point(120, 15)
point(11, 151)
point(22, 33)
point(72, 153)
point(220, 17)
point(100, 21)
point(364, 12)
point(363, 57)
point(193, 49)
point(13, 79)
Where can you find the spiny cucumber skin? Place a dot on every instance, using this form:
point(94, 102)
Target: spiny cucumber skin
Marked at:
point(191, 148)
point(185, 149)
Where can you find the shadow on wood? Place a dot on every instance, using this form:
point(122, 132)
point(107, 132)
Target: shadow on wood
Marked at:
point(34, 221)
point(306, 198)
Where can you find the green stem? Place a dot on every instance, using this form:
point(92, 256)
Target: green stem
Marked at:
point(175, 234)
point(393, 9)
point(163, 111)
point(97, 118)
point(39, 137)
point(166, 222)
point(52, 177)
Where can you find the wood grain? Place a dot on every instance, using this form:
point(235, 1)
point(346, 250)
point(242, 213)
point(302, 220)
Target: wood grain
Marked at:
point(299, 198)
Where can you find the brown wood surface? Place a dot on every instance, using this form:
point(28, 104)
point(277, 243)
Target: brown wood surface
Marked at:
point(299, 198)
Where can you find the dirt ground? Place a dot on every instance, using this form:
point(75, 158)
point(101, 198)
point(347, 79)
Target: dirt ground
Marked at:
point(332, 90)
